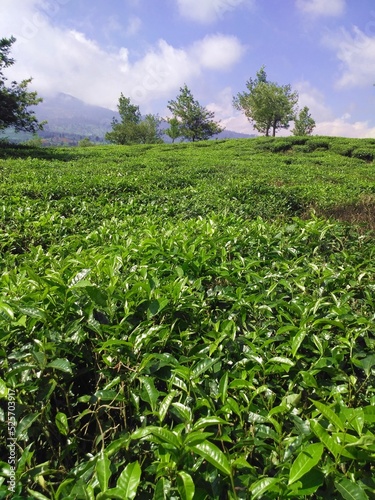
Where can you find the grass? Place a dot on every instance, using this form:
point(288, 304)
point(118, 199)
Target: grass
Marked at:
point(189, 321)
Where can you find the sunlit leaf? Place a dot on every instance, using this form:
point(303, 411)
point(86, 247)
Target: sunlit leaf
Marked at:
point(103, 470)
point(129, 480)
point(305, 461)
point(332, 417)
point(61, 421)
point(185, 486)
point(213, 455)
point(260, 487)
point(350, 490)
point(61, 364)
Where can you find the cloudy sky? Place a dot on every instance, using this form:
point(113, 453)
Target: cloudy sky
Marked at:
point(147, 49)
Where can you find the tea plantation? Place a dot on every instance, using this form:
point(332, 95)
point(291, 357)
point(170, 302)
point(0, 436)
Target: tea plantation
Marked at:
point(188, 321)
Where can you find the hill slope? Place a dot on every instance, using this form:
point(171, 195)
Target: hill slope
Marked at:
point(174, 318)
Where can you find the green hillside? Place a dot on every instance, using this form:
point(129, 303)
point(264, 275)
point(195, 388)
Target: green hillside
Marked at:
point(189, 320)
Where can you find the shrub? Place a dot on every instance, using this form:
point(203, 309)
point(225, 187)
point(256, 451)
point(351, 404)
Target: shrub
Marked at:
point(302, 148)
point(280, 146)
point(85, 143)
point(363, 154)
point(318, 143)
point(342, 149)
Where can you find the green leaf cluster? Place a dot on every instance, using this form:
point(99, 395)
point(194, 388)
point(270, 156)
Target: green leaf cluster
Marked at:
point(133, 129)
point(268, 105)
point(171, 329)
point(195, 122)
point(16, 99)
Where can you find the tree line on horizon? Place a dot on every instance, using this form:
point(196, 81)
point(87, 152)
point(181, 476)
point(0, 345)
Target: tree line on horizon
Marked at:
point(267, 105)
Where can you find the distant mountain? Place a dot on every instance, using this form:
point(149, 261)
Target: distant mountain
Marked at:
point(70, 119)
point(66, 114)
point(229, 134)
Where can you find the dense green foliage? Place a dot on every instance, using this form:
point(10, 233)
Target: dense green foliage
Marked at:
point(172, 328)
point(174, 130)
point(267, 105)
point(133, 129)
point(195, 122)
point(16, 100)
point(304, 123)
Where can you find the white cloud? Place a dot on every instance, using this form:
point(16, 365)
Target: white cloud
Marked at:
point(218, 52)
point(134, 25)
point(62, 60)
point(342, 127)
point(326, 8)
point(356, 52)
point(326, 122)
point(208, 11)
point(314, 99)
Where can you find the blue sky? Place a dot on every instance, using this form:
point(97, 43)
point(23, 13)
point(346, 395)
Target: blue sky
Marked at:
point(147, 49)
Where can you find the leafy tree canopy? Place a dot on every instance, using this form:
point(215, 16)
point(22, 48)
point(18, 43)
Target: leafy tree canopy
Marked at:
point(174, 130)
point(267, 105)
point(196, 122)
point(304, 124)
point(133, 129)
point(15, 99)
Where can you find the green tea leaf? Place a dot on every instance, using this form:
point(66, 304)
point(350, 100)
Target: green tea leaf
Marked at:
point(183, 411)
point(25, 424)
point(260, 487)
point(196, 437)
point(79, 277)
point(129, 480)
point(282, 360)
point(5, 309)
point(96, 295)
point(350, 490)
point(161, 433)
point(207, 421)
point(61, 364)
point(185, 486)
point(330, 443)
point(305, 461)
point(35, 494)
point(365, 363)
point(150, 394)
point(61, 422)
point(103, 470)
point(111, 494)
point(369, 412)
point(107, 395)
point(297, 340)
point(330, 415)
point(162, 489)
point(165, 404)
point(213, 455)
point(223, 387)
point(3, 389)
point(201, 367)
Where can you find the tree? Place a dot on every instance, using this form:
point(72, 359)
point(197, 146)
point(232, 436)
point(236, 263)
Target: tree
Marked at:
point(148, 130)
point(195, 122)
point(16, 99)
point(85, 142)
point(304, 124)
point(267, 105)
point(174, 130)
point(132, 129)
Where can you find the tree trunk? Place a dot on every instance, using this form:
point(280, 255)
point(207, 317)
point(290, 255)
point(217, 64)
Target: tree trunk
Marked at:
point(274, 128)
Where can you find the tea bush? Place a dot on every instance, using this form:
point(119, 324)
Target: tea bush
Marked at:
point(170, 329)
point(363, 154)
